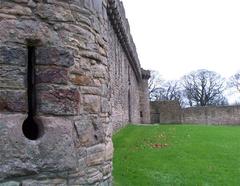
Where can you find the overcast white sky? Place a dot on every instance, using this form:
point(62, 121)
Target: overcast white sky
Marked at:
point(178, 36)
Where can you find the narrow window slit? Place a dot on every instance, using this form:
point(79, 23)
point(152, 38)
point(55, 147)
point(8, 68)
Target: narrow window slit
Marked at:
point(30, 127)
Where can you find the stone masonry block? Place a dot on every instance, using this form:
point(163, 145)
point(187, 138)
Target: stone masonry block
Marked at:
point(95, 154)
point(91, 90)
point(12, 76)
point(99, 71)
point(48, 182)
point(85, 130)
point(89, 130)
point(13, 56)
point(13, 101)
point(54, 75)
point(81, 80)
point(105, 105)
point(98, 6)
point(109, 151)
point(91, 103)
point(10, 183)
point(53, 151)
point(54, 13)
point(57, 100)
point(54, 56)
point(94, 176)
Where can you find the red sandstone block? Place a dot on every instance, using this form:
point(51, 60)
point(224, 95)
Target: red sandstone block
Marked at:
point(58, 101)
point(55, 75)
point(13, 101)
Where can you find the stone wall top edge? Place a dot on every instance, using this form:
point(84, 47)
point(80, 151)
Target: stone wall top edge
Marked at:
point(164, 101)
point(146, 74)
point(212, 107)
point(116, 13)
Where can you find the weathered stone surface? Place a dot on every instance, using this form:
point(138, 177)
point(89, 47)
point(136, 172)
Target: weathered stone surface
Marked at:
point(95, 155)
point(77, 179)
point(54, 56)
point(109, 151)
point(107, 169)
point(13, 56)
point(93, 55)
point(99, 71)
point(107, 182)
point(6, 16)
point(85, 131)
point(20, 1)
point(91, 103)
point(89, 130)
point(91, 90)
point(55, 75)
point(53, 151)
point(50, 182)
point(15, 9)
point(58, 101)
point(105, 105)
point(10, 183)
point(12, 77)
point(98, 6)
point(94, 176)
point(13, 101)
point(81, 80)
point(54, 13)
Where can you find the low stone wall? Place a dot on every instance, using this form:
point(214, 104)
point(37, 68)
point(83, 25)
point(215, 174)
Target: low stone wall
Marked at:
point(165, 112)
point(211, 115)
point(171, 112)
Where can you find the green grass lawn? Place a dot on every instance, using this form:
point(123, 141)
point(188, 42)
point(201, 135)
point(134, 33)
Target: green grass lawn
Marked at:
point(177, 155)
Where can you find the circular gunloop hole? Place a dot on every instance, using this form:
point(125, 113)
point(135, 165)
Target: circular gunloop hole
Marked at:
point(32, 129)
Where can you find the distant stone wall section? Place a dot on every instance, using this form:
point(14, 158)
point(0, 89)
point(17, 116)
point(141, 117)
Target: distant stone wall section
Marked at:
point(144, 98)
point(165, 112)
point(218, 115)
point(129, 83)
point(171, 112)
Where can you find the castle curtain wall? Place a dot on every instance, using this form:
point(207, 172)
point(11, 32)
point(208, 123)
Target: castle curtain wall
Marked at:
point(64, 73)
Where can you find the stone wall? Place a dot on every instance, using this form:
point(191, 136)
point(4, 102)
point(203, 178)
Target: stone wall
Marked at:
point(165, 112)
point(212, 115)
point(129, 88)
point(144, 98)
point(69, 72)
point(171, 112)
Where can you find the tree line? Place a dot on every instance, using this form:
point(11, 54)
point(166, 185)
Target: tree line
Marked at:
point(198, 88)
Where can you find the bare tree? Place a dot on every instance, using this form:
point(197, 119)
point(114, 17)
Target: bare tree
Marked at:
point(154, 84)
point(203, 87)
point(235, 81)
point(163, 90)
point(170, 90)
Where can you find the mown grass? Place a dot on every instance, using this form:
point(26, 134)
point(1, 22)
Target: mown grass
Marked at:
point(177, 155)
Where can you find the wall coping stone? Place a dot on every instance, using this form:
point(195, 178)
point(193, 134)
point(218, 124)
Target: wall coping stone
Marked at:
point(146, 74)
